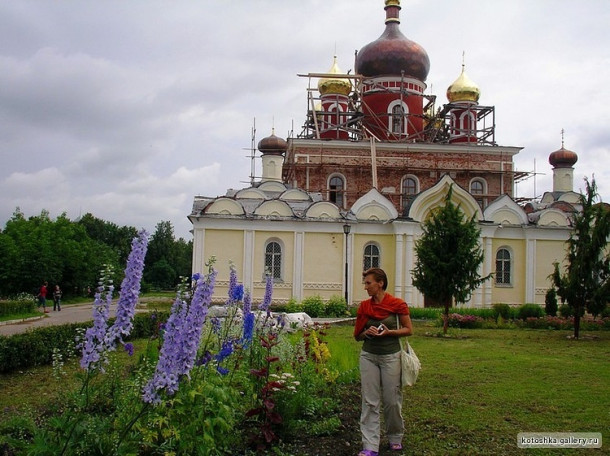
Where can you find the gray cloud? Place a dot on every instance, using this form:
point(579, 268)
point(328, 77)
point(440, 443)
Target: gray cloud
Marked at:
point(129, 109)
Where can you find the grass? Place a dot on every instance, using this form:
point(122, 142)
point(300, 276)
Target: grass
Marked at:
point(20, 316)
point(477, 389)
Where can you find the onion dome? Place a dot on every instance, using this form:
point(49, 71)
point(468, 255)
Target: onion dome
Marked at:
point(563, 158)
point(272, 145)
point(393, 53)
point(334, 85)
point(463, 89)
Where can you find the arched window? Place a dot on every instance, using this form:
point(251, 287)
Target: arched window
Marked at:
point(397, 113)
point(476, 187)
point(468, 124)
point(409, 190)
point(478, 190)
point(371, 256)
point(503, 265)
point(336, 190)
point(273, 259)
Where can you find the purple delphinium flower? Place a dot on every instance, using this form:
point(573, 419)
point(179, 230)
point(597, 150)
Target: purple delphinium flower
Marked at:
point(225, 351)
point(130, 291)
point(216, 326)
point(93, 345)
point(266, 304)
point(181, 341)
point(128, 348)
point(238, 293)
point(203, 360)
point(249, 319)
point(170, 354)
point(222, 370)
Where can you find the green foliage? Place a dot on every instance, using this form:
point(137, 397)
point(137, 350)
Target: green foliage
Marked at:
point(550, 302)
point(313, 306)
point(16, 433)
point(529, 310)
point(17, 307)
point(424, 313)
point(167, 259)
point(58, 251)
point(162, 275)
point(448, 256)
point(293, 306)
point(501, 311)
point(200, 419)
point(71, 254)
point(566, 311)
point(585, 282)
point(336, 307)
point(116, 237)
point(35, 348)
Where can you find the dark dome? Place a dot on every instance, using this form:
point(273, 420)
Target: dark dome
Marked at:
point(563, 158)
point(391, 54)
point(273, 145)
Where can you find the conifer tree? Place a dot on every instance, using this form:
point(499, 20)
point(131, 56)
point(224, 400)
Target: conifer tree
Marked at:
point(585, 282)
point(448, 257)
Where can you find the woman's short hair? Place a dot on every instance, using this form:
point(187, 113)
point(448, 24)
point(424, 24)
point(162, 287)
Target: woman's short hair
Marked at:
point(378, 274)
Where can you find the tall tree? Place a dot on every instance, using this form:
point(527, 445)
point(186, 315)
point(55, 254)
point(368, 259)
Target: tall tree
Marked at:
point(118, 238)
point(585, 282)
point(58, 251)
point(448, 257)
point(167, 258)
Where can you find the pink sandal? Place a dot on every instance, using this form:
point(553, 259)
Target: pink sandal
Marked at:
point(396, 446)
point(368, 453)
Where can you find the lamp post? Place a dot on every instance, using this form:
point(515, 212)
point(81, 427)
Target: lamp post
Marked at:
point(346, 230)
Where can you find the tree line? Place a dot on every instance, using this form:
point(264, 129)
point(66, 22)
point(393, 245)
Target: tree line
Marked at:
point(72, 254)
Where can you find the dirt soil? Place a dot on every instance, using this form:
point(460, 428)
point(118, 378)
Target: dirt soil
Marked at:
point(345, 442)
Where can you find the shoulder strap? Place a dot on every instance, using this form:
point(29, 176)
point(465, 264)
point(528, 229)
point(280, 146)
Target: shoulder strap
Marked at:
point(402, 345)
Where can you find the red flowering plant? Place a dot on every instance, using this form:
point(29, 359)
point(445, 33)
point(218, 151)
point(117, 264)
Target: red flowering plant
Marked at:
point(264, 410)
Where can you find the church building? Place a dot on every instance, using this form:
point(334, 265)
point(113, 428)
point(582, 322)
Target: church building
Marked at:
point(375, 156)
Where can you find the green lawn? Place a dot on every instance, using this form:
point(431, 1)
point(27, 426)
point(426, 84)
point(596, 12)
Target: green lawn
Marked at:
point(477, 389)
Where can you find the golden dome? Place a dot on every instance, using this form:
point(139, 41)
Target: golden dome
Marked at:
point(463, 89)
point(334, 85)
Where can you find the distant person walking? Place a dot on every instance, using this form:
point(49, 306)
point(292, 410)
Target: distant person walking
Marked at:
point(57, 298)
point(42, 297)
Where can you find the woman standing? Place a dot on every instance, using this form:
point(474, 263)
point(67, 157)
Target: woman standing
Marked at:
point(377, 326)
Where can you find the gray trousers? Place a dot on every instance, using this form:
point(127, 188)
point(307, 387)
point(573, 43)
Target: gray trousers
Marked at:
point(380, 379)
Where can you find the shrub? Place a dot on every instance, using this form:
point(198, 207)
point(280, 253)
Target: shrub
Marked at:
point(550, 302)
point(293, 306)
point(566, 311)
point(35, 348)
point(17, 307)
point(419, 313)
point(465, 321)
point(501, 310)
point(313, 306)
point(336, 307)
point(529, 310)
point(482, 313)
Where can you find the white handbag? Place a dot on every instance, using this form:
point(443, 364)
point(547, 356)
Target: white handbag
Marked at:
point(410, 364)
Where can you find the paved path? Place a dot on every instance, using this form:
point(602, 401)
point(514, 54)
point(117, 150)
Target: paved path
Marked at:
point(75, 313)
point(78, 313)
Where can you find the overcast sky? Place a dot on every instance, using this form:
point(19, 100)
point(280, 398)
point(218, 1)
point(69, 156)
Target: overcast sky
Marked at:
point(128, 109)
